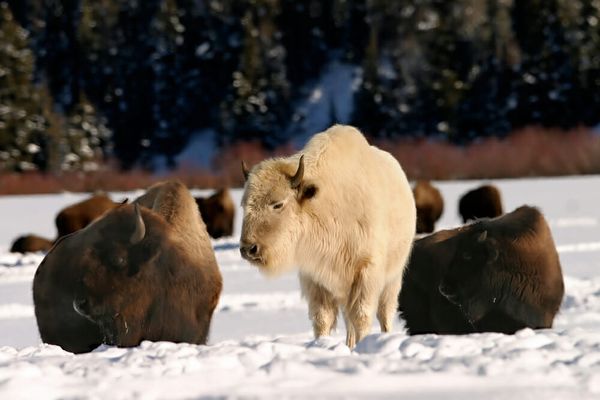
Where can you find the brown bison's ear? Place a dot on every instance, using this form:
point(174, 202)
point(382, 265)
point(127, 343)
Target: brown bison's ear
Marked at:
point(245, 170)
point(139, 231)
point(296, 180)
point(491, 246)
point(482, 237)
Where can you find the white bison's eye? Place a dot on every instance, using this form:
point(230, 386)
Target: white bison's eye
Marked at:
point(277, 206)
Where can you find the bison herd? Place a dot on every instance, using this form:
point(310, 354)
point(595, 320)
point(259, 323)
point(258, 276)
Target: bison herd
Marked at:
point(341, 212)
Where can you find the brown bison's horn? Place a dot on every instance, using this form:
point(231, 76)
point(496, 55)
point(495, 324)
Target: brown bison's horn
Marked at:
point(482, 237)
point(245, 170)
point(140, 228)
point(124, 201)
point(297, 178)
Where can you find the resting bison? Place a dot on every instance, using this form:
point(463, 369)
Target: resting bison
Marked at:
point(482, 202)
point(218, 212)
point(430, 205)
point(144, 271)
point(80, 215)
point(341, 210)
point(495, 275)
point(30, 243)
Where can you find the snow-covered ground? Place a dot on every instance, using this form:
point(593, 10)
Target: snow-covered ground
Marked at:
point(261, 343)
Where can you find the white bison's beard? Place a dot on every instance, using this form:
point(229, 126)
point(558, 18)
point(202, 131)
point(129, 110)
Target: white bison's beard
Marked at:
point(275, 258)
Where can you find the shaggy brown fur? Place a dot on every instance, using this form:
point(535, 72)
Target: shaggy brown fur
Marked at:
point(497, 275)
point(80, 215)
point(218, 213)
point(30, 243)
point(482, 202)
point(430, 206)
point(144, 271)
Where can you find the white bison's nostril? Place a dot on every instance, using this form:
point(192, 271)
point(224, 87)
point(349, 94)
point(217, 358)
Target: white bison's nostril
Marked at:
point(249, 251)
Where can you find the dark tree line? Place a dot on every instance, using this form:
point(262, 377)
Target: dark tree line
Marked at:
point(81, 80)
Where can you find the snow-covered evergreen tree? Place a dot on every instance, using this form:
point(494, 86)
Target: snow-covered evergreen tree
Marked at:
point(23, 123)
point(257, 105)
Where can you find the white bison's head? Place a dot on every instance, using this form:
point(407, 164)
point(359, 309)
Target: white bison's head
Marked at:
point(275, 195)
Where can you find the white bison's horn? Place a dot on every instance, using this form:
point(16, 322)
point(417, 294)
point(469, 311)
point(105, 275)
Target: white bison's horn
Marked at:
point(140, 229)
point(245, 170)
point(297, 178)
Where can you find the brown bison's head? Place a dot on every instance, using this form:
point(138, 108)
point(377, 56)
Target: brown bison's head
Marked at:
point(425, 220)
point(114, 258)
point(275, 193)
point(217, 212)
point(467, 277)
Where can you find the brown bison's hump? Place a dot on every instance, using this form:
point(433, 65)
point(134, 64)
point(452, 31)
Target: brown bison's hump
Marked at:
point(484, 201)
point(30, 243)
point(530, 256)
point(77, 216)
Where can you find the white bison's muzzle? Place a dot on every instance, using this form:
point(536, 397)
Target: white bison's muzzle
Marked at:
point(250, 252)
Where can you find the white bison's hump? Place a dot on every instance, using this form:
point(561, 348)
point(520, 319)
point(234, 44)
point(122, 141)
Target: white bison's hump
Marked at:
point(336, 148)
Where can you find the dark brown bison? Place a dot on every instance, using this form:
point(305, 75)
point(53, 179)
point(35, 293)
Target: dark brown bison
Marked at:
point(80, 215)
point(144, 271)
point(218, 212)
point(430, 206)
point(482, 202)
point(495, 275)
point(30, 243)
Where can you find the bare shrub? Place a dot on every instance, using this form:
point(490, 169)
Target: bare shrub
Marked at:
point(532, 151)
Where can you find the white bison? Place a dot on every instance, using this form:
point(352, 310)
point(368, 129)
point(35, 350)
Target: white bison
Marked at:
point(343, 212)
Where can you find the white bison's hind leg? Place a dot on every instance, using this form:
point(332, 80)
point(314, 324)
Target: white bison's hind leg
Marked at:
point(350, 333)
point(388, 304)
point(361, 306)
point(322, 307)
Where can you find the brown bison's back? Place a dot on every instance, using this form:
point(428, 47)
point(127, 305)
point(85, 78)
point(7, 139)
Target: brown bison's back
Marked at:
point(482, 202)
point(79, 215)
point(532, 254)
point(30, 243)
point(430, 205)
point(218, 213)
point(174, 204)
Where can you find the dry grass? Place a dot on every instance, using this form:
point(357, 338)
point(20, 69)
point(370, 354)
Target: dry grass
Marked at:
point(528, 152)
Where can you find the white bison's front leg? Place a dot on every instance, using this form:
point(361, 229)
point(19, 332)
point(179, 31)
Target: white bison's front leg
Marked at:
point(322, 307)
point(361, 305)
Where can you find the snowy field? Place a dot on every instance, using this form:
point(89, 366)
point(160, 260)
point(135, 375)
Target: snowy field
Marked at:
point(261, 342)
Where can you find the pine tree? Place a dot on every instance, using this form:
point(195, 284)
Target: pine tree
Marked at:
point(119, 75)
point(371, 100)
point(484, 110)
point(545, 92)
point(57, 48)
point(303, 26)
point(582, 24)
point(23, 136)
point(85, 143)
point(257, 105)
point(171, 107)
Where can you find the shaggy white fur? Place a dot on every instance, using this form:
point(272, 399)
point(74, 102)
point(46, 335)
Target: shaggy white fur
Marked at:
point(348, 226)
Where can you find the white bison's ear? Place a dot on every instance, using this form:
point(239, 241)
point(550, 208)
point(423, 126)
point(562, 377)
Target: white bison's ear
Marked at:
point(296, 180)
point(308, 192)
